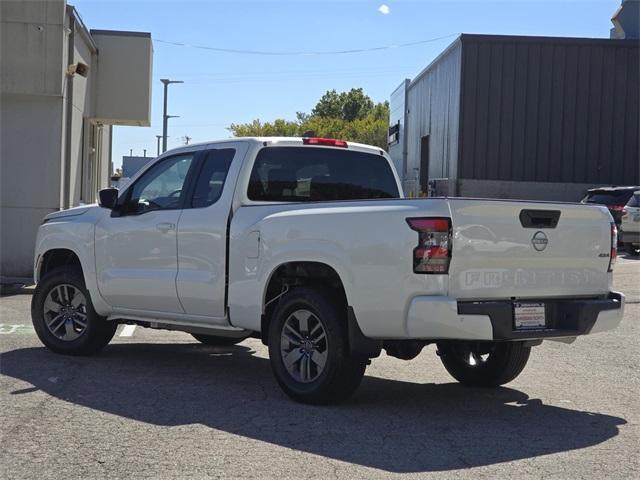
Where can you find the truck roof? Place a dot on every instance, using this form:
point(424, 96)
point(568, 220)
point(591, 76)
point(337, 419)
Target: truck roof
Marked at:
point(283, 141)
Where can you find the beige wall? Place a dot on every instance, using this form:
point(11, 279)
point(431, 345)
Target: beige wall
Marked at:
point(83, 105)
point(124, 78)
point(31, 46)
point(54, 150)
point(30, 144)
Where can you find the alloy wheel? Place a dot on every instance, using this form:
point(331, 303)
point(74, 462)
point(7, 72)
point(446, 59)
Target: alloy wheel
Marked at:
point(65, 312)
point(304, 346)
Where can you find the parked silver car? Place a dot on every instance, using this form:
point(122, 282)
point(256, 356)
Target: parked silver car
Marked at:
point(630, 224)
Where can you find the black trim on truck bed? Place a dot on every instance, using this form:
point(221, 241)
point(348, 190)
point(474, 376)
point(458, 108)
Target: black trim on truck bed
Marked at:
point(565, 318)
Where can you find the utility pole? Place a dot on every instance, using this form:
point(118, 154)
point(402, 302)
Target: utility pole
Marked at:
point(166, 82)
point(158, 137)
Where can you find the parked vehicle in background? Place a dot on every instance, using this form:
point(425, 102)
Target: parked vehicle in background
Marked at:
point(310, 245)
point(615, 198)
point(630, 224)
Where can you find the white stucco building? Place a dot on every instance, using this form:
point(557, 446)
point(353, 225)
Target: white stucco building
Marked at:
point(62, 88)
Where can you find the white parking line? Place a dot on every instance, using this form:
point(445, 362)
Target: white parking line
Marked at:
point(8, 329)
point(127, 331)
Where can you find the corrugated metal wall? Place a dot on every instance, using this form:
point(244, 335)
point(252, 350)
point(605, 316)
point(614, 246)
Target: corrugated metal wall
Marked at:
point(549, 110)
point(397, 115)
point(433, 104)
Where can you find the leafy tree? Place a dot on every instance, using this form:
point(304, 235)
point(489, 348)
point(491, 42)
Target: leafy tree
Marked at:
point(329, 105)
point(277, 128)
point(355, 105)
point(348, 115)
point(349, 106)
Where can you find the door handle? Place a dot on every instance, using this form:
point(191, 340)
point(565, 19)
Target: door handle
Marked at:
point(164, 227)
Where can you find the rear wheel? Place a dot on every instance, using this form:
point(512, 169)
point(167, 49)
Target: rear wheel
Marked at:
point(64, 318)
point(215, 340)
point(308, 350)
point(484, 364)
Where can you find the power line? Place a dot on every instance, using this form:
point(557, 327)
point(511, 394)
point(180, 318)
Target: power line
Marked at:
point(221, 81)
point(286, 73)
point(303, 53)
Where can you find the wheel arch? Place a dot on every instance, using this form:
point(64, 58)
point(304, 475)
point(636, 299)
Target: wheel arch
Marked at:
point(56, 258)
point(299, 273)
point(321, 275)
point(62, 255)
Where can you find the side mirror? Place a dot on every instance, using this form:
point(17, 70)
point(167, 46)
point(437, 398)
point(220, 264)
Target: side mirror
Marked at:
point(108, 198)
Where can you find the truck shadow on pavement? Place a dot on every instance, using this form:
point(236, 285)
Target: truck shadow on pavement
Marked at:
point(391, 425)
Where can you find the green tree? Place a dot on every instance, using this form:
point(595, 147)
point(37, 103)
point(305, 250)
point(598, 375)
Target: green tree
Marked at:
point(329, 106)
point(355, 105)
point(351, 116)
point(277, 128)
point(349, 106)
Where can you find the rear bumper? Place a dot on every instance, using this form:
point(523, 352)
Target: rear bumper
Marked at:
point(434, 318)
point(565, 318)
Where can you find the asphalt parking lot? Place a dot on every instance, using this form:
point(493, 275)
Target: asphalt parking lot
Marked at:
point(157, 404)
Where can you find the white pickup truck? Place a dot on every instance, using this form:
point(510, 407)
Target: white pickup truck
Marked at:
point(309, 245)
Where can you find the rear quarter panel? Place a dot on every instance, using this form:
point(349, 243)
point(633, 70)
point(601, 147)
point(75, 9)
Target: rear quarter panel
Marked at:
point(368, 244)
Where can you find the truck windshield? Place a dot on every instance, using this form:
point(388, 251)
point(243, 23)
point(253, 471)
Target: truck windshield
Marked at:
point(313, 174)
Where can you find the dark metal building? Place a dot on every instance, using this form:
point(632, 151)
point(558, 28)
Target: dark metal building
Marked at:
point(520, 117)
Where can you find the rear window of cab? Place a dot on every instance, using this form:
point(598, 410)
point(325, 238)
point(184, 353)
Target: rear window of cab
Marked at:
point(315, 174)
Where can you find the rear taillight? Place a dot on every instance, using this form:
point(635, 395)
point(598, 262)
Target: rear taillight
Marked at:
point(433, 253)
point(329, 142)
point(614, 247)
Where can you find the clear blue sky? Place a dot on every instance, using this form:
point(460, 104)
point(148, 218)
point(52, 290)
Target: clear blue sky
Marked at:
point(225, 88)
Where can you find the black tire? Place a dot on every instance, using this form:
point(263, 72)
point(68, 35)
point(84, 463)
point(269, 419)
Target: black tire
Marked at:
point(341, 374)
point(97, 333)
point(495, 363)
point(215, 340)
point(633, 250)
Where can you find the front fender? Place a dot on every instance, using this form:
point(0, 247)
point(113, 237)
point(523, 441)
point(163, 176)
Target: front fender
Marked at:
point(77, 237)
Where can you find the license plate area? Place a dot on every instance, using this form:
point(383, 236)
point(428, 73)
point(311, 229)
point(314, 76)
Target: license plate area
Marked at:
point(529, 316)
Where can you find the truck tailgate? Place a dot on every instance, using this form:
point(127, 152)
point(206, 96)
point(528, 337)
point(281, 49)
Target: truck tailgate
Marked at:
point(505, 249)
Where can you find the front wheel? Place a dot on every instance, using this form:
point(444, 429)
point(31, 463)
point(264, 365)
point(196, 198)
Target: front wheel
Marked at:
point(484, 364)
point(308, 350)
point(64, 318)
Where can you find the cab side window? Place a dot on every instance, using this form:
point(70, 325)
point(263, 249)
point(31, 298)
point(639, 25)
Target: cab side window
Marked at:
point(161, 187)
point(211, 177)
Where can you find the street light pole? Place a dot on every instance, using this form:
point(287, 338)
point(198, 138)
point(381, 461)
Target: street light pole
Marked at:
point(166, 117)
point(158, 137)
